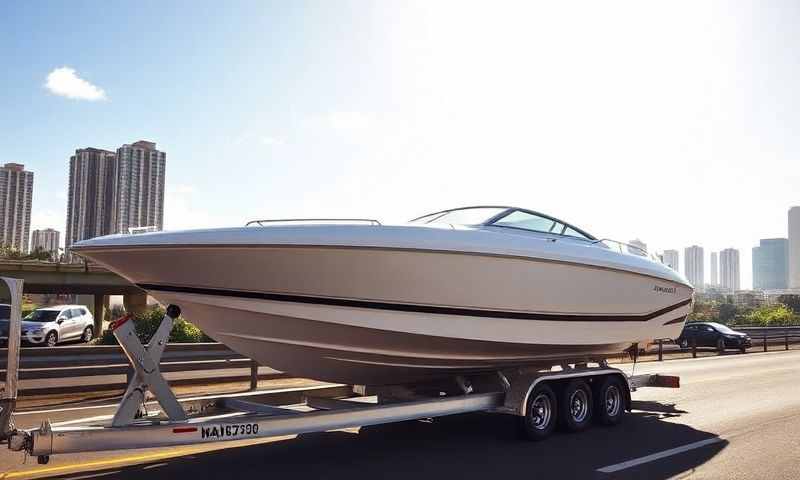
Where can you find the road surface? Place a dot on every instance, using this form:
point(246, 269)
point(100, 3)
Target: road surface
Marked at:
point(735, 416)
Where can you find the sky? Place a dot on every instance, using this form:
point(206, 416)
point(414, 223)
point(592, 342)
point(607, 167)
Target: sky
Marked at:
point(675, 123)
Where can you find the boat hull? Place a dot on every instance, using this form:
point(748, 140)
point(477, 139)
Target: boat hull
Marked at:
point(388, 315)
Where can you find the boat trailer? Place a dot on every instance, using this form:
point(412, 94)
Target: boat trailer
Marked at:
point(537, 397)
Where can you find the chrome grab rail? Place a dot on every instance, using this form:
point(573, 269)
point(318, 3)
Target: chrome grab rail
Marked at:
point(261, 223)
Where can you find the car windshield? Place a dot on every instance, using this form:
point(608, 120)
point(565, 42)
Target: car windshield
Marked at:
point(723, 328)
point(42, 316)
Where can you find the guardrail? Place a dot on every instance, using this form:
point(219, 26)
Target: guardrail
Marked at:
point(70, 369)
point(766, 338)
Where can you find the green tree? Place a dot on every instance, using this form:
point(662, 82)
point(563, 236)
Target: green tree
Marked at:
point(38, 253)
point(727, 312)
point(147, 323)
point(771, 316)
point(791, 301)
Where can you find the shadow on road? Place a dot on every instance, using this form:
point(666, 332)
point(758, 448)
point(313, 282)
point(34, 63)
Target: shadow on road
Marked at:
point(465, 446)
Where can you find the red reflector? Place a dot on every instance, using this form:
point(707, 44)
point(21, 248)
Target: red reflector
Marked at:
point(184, 429)
point(118, 322)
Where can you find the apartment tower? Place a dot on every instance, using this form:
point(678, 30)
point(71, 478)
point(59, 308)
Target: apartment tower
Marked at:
point(714, 269)
point(16, 195)
point(794, 247)
point(770, 261)
point(140, 194)
point(47, 240)
point(671, 259)
point(729, 269)
point(693, 266)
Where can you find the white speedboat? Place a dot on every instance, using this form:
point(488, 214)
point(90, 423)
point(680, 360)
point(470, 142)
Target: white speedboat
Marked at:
point(464, 290)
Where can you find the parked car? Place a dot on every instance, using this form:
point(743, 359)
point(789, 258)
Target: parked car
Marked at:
point(51, 325)
point(711, 334)
point(5, 315)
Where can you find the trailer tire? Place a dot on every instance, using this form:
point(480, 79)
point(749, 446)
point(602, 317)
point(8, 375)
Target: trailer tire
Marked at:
point(541, 413)
point(609, 401)
point(575, 405)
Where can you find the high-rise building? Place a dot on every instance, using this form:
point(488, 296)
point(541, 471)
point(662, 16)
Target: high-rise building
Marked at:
point(140, 195)
point(114, 192)
point(794, 247)
point(671, 258)
point(90, 197)
point(714, 269)
point(16, 194)
point(47, 240)
point(770, 259)
point(637, 247)
point(693, 266)
point(729, 269)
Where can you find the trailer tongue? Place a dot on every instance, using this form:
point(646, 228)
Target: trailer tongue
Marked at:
point(573, 393)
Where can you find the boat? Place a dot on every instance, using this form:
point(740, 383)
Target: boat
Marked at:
point(467, 290)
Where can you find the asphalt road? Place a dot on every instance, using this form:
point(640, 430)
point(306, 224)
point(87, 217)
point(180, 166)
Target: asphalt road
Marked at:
point(735, 416)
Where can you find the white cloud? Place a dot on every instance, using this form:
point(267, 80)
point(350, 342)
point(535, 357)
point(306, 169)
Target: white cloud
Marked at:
point(65, 82)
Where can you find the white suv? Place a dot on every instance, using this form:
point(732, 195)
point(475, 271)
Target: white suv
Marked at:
point(51, 325)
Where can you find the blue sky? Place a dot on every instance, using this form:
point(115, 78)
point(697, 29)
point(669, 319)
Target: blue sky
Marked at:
point(675, 123)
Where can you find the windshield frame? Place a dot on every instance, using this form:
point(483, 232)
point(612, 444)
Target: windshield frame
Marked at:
point(490, 222)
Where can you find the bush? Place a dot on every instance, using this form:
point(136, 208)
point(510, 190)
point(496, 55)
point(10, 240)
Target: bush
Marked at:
point(771, 316)
point(27, 308)
point(147, 323)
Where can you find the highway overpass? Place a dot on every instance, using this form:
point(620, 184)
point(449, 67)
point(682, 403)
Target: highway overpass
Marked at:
point(75, 278)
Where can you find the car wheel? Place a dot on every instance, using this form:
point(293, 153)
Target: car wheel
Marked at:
point(51, 339)
point(88, 334)
point(720, 345)
point(684, 344)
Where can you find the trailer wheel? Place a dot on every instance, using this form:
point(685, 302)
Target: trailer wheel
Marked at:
point(609, 402)
point(541, 411)
point(575, 405)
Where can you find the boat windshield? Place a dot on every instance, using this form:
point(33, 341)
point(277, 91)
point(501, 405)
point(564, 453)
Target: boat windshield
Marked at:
point(508, 217)
point(537, 223)
point(462, 216)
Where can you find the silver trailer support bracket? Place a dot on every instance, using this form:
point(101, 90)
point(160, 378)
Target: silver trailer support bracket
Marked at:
point(162, 434)
point(145, 361)
point(8, 393)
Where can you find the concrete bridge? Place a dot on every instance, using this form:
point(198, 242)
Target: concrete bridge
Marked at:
point(75, 278)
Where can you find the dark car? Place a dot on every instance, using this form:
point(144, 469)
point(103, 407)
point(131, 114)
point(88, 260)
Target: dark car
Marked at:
point(710, 334)
point(5, 315)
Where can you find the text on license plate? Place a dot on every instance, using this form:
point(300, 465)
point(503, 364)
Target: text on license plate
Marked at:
point(229, 431)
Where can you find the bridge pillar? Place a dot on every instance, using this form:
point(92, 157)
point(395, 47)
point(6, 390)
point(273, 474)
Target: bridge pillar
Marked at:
point(135, 302)
point(101, 303)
